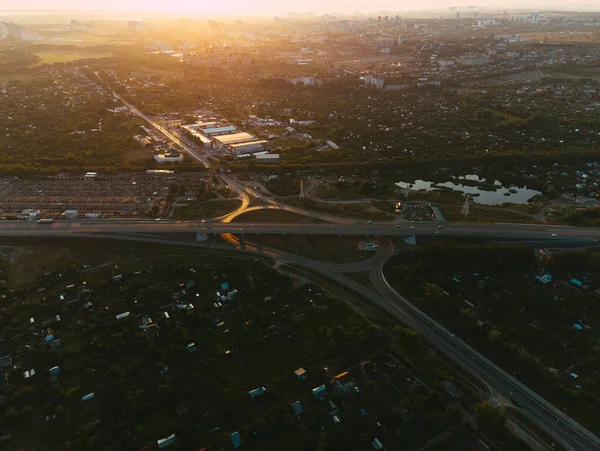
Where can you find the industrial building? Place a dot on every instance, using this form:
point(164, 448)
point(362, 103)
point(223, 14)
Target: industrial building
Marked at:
point(193, 131)
point(218, 131)
point(168, 158)
point(235, 138)
point(268, 158)
point(248, 147)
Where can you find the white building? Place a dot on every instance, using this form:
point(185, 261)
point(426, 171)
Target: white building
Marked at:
point(70, 214)
point(306, 81)
point(268, 158)
point(29, 214)
point(168, 158)
point(3, 31)
point(485, 23)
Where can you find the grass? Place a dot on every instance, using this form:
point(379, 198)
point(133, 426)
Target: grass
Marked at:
point(275, 216)
point(317, 247)
point(14, 76)
point(64, 56)
point(480, 213)
point(137, 155)
point(208, 209)
point(576, 37)
point(360, 211)
point(332, 191)
point(23, 260)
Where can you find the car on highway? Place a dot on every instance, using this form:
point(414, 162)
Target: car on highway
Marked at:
point(554, 234)
point(412, 228)
point(516, 401)
point(397, 226)
point(440, 227)
point(370, 222)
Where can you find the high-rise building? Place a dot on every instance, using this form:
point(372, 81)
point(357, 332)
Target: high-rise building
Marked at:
point(12, 29)
point(134, 25)
point(535, 17)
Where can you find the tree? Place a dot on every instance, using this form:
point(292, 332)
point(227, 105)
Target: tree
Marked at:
point(433, 292)
point(490, 419)
point(366, 187)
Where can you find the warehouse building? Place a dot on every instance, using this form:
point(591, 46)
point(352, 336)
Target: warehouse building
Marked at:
point(235, 138)
point(194, 132)
point(218, 131)
point(268, 158)
point(248, 147)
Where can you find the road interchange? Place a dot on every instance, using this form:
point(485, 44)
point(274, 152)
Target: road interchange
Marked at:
point(550, 419)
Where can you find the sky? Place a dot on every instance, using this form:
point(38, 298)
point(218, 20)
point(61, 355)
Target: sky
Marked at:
point(270, 8)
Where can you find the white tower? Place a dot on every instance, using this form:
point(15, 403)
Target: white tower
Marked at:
point(466, 205)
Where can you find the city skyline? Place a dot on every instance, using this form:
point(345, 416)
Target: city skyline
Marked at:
point(268, 8)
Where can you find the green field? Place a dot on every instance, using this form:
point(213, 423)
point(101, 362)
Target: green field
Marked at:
point(10, 76)
point(64, 56)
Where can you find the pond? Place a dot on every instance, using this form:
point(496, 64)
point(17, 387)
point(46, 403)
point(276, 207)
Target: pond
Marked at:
point(498, 196)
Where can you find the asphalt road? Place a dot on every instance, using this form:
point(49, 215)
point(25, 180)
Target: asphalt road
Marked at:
point(517, 232)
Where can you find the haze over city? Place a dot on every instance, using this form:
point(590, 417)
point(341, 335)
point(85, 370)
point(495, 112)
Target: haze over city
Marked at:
point(270, 7)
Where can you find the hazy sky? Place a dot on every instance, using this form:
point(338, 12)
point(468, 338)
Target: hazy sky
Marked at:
point(272, 7)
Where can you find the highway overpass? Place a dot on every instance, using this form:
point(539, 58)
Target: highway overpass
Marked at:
point(517, 232)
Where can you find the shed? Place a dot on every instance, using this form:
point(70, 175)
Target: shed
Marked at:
point(376, 444)
point(320, 392)
point(164, 442)
point(54, 371)
point(297, 408)
point(5, 361)
point(333, 145)
point(70, 214)
point(546, 278)
point(236, 440)
point(191, 347)
point(268, 158)
point(257, 392)
point(88, 396)
point(300, 373)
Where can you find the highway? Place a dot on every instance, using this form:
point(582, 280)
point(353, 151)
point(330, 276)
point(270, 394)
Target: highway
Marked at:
point(517, 232)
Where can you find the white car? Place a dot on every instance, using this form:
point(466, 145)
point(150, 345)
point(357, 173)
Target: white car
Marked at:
point(554, 234)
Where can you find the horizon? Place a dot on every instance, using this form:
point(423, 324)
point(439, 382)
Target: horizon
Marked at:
point(270, 8)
